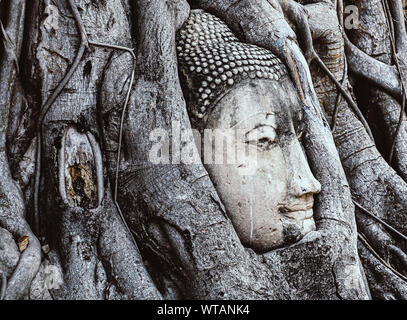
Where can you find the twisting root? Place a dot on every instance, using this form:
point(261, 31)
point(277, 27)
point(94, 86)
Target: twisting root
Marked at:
point(12, 211)
point(338, 97)
point(50, 101)
point(292, 9)
point(3, 285)
point(390, 26)
point(44, 110)
point(9, 46)
point(339, 10)
point(370, 248)
point(84, 44)
point(116, 182)
point(366, 211)
point(396, 133)
point(347, 97)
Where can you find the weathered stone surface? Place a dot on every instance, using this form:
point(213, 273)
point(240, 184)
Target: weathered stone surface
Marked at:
point(268, 188)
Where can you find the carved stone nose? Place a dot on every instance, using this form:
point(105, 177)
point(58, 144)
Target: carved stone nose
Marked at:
point(311, 186)
point(301, 179)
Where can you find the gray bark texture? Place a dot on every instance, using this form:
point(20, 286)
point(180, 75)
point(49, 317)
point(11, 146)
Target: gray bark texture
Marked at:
point(85, 214)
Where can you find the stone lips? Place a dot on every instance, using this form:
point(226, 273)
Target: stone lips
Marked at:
point(211, 59)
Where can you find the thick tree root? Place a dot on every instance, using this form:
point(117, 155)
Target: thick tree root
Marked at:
point(3, 285)
point(12, 207)
point(369, 68)
point(359, 155)
point(395, 17)
point(98, 258)
point(180, 219)
point(297, 14)
point(384, 283)
point(50, 101)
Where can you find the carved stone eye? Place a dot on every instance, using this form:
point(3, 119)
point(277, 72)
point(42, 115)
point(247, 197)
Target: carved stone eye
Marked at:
point(262, 136)
point(265, 143)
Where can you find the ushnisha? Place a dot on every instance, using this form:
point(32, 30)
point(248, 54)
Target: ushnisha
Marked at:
point(212, 59)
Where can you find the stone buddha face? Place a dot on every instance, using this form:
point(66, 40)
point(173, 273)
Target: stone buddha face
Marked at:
point(273, 205)
point(233, 85)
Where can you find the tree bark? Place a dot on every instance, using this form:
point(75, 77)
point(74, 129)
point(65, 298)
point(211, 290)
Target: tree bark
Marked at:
point(84, 84)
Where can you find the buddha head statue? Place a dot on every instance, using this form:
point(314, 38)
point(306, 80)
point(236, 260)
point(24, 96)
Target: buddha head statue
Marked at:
point(229, 84)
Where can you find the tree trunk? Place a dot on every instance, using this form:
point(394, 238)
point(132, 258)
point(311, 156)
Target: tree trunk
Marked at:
point(83, 87)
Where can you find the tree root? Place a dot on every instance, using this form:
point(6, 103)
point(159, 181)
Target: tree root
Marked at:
point(396, 17)
point(347, 97)
point(297, 14)
point(108, 252)
point(338, 97)
point(397, 132)
point(401, 44)
point(12, 206)
point(116, 181)
point(384, 284)
point(48, 104)
point(359, 156)
point(83, 46)
point(3, 285)
point(366, 211)
point(191, 214)
point(9, 47)
point(373, 70)
point(94, 247)
point(44, 110)
point(386, 113)
point(370, 248)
